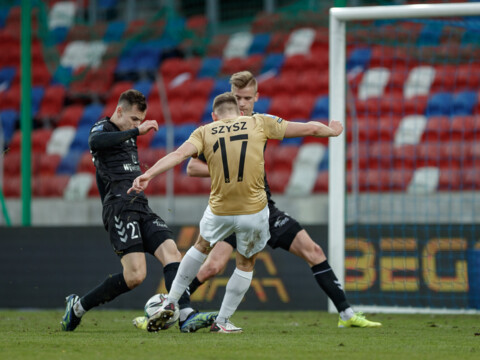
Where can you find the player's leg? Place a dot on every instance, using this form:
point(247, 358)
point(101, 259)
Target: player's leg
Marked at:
point(216, 261)
point(127, 245)
point(252, 236)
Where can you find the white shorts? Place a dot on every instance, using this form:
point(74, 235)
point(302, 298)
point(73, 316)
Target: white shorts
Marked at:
point(252, 231)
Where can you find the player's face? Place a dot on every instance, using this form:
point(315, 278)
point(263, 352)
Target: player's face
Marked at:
point(130, 118)
point(246, 98)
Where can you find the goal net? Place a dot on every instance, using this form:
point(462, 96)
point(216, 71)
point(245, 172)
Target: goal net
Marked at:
point(404, 178)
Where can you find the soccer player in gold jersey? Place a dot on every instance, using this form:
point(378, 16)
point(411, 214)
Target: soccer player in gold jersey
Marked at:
point(286, 233)
point(233, 148)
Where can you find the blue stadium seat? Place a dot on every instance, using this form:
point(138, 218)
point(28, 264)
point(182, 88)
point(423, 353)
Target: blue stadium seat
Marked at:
point(220, 86)
point(464, 102)
point(210, 67)
point(440, 104)
point(273, 62)
point(9, 119)
point(262, 105)
point(6, 76)
point(115, 31)
point(320, 109)
point(323, 166)
point(359, 57)
point(144, 86)
point(430, 35)
point(37, 96)
point(80, 141)
point(259, 44)
point(126, 69)
point(91, 114)
point(160, 138)
point(182, 133)
point(3, 16)
point(58, 35)
point(62, 75)
point(68, 164)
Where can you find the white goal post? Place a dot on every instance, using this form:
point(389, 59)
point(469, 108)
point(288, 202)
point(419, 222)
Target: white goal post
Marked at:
point(337, 108)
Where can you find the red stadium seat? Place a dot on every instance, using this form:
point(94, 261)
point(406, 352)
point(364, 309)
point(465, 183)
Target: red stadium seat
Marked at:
point(50, 185)
point(117, 89)
point(321, 184)
point(86, 164)
point(415, 105)
point(11, 98)
point(155, 112)
point(437, 129)
point(11, 186)
point(428, 154)
point(277, 42)
point(465, 128)
point(52, 102)
point(41, 75)
point(400, 179)
point(40, 138)
point(11, 163)
point(15, 143)
point(444, 78)
point(284, 157)
point(148, 157)
point(280, 106)
point(449, 179)
point(71, 115)
point(278, 180)
point(360, 155)
point(405, 157)
point(201, 88)
point(172, 67)
point(313, 82)
point(47, 164)
point(381, 155)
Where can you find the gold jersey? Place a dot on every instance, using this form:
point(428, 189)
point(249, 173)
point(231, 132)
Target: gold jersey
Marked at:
point(233, 149)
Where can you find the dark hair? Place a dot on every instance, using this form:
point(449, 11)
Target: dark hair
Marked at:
point(133, 97)
point(221, 103)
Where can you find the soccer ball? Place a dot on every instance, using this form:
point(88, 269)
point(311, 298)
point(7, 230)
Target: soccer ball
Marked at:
point(155, 304)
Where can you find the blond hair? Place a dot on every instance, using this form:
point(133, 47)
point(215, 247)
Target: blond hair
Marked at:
point(225, 103)
point(243, 79)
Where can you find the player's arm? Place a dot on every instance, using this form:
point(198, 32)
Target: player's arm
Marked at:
point(313, 128)
point(166, 163)
point(99, 139)
point(197, 167)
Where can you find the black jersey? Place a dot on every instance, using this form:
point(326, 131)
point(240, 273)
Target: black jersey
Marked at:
point(115, 157)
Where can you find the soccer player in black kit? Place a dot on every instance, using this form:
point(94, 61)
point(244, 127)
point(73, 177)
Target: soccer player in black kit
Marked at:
point(134, 229)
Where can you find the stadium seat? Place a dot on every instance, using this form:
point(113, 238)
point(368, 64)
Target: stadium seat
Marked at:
point(11, 163)
point(50, 185)
point(437, 129)
point(259, 44)
point(40, 139)
point(380, 155)
point(148, 157)
point(405, 156)
point(444, 80)
point(71, 115)
point(321, 183)
point(284, 157)
point(300, 41)
point(399, 179)
point(52, 103)
point(78, 186)
point(468, 77)
point(273, 62)
point(220, 86)
point(61, 140)
point(182, 133)
point(415, 105)
point(69, 163)
point(359, 57)
point(428, 154)
point(91, 114)
point(210, 67)
point(410, 130)
point(465, 128)
point(285, 85)
point(424, 181)
point(440, 104)
point(114, 31)
point(47, 164)
point(304, 173)
point(11, 186)
point(391, 57)
point(217, 44)
point(80, 141)
point(278, 180)
point(38, 93)
point(281, 106)
point(373, 83)
point(85, 164)
point(419, 81)
point(172, 67)
point(430, 35)
point(9, 120)
point(7, 74)
point(160, 138)
point(41, 75)
point(144, 86)
point(205, 88)
point(262, 105)
point(320, 109)
point(464, 102)
point(449, 180)
point(238, 45)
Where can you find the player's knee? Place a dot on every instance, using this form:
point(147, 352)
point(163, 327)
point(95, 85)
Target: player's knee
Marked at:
point(317, 255)
point(135, 278)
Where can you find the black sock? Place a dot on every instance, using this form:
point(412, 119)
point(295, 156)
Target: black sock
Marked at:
point(170, 271)
point(327, 280)
point(194, 285)
point(108, 290)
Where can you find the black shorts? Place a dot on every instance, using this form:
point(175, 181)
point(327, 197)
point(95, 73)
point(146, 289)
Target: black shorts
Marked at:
point(283, 230)
point(134, 227)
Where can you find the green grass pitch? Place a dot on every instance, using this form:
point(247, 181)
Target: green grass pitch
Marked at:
point(107, 334)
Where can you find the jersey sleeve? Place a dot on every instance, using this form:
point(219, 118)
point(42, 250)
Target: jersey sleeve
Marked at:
point(196, 139)
point(273, 126)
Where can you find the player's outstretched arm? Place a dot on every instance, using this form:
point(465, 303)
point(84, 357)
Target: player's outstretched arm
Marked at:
point(166, 163)
point(197, 168)
point(313, 128)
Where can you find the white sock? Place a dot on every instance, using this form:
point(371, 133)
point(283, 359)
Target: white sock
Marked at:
point(184, 313)
point(78, 309)
point(347, 314)
point(187, 271)
point(237, 286)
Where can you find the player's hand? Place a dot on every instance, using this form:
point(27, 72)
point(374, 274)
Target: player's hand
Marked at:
point(336, 126)
point(139, 184)
point(147, 125)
